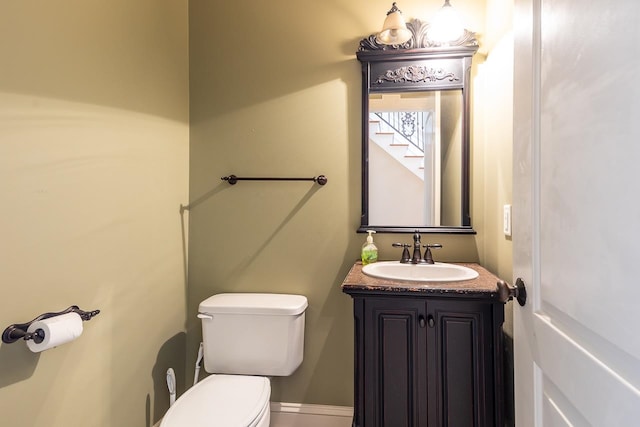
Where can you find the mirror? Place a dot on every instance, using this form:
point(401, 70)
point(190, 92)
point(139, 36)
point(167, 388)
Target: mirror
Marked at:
point(415, 129)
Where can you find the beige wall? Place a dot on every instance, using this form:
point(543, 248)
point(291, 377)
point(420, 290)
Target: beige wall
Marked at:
point(93, 168)
point(275, 90)
point(492, 142)
point(492, 160)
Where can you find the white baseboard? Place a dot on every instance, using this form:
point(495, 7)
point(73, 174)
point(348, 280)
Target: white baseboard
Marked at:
point(308, 415)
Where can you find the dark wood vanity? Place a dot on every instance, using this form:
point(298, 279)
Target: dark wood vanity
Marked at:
point(427, 353)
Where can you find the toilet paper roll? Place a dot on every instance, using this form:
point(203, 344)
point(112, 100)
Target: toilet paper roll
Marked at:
point(57, 330)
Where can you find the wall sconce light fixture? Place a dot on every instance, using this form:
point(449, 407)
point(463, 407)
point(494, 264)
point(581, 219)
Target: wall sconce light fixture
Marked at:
point(446, 31)
point(394, 30)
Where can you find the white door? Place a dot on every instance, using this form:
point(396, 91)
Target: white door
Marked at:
point(576, 212)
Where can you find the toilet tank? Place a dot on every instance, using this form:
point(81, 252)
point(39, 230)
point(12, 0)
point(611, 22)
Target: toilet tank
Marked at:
point(253, 334)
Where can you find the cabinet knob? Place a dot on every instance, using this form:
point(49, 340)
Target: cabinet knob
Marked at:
point(428, 321)
point(431, 321)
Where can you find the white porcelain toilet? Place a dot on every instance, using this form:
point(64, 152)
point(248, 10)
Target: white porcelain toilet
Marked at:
point(247, 338)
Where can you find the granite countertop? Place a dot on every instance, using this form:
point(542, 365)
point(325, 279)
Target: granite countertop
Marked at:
point(484, 286)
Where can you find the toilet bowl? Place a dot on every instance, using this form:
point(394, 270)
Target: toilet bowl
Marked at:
point(223, 401)
point(246, 339)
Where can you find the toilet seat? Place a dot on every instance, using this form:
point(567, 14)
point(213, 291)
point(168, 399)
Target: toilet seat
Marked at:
point(222, 400)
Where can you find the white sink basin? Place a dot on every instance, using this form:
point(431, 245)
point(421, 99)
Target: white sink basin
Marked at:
point(438, 272)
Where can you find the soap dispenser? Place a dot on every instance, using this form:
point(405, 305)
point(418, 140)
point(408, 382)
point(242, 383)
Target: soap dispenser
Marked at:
point(369, 250)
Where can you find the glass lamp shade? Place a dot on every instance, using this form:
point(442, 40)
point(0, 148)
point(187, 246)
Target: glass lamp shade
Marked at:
point(446, 26)
point(394, 30)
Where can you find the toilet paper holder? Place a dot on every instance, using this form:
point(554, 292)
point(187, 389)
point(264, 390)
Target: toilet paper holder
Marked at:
point(19, 330)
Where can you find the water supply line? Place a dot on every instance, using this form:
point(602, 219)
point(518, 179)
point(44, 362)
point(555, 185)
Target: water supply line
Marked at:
point(196, 374)
point(171, 376)
point(171, 385)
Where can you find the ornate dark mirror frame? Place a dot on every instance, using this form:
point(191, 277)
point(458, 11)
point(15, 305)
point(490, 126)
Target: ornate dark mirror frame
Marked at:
point(420, 64)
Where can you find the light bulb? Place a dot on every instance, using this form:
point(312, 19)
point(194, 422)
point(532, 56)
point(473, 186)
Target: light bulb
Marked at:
point(446, 26)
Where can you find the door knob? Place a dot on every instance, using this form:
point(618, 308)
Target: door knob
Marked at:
point(506, 292)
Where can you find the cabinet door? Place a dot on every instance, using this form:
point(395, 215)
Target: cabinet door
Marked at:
point(394, 374)
point(461, 363)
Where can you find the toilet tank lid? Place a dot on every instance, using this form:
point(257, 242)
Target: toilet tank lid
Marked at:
point(250, 303)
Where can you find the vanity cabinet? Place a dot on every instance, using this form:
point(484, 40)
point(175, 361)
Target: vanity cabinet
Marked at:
point(427, 357)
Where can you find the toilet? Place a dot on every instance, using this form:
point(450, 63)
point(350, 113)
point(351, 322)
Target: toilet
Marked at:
point(247, 338)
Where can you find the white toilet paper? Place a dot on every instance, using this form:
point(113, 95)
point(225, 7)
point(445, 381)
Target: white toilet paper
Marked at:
point(57, 330)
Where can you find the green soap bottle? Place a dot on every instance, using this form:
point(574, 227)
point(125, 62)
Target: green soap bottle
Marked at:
point(369, 250)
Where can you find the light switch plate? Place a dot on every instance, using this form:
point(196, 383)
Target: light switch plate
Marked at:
point(506, 221)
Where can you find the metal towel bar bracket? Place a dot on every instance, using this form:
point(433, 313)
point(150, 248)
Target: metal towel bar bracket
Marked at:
point(19, 330)
point(232, 179)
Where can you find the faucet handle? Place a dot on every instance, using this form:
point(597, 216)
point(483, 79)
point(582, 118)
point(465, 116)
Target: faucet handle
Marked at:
point(433, 246)
point(405, 252)
point(428, 258)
